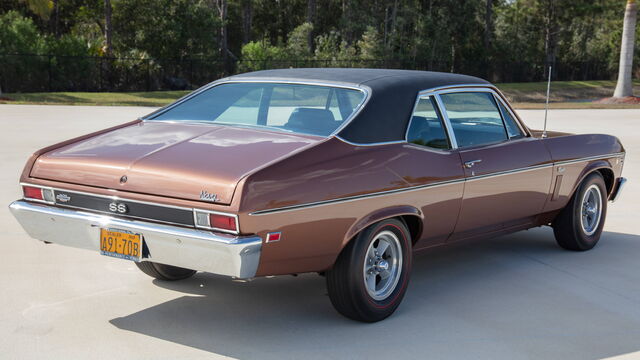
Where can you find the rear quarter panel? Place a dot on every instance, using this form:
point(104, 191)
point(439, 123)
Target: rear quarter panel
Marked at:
point(313, 236)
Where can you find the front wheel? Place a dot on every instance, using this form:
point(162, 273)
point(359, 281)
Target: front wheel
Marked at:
point(370, 277)
point(579, 226)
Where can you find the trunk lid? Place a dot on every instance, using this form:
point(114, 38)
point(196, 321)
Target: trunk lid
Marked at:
point(169, 159)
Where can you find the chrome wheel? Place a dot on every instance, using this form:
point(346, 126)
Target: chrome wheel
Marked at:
point(382, 265)
point(591, 210)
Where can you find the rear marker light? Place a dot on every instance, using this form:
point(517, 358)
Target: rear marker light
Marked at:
point(273, 237)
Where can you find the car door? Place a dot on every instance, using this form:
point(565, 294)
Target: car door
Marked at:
point(431, 164)
point(508, 173)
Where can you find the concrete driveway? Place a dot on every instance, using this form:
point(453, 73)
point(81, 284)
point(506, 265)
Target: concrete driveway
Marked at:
point(513, 297)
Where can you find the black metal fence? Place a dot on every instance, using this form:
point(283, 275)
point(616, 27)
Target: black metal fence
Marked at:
point(44, 73)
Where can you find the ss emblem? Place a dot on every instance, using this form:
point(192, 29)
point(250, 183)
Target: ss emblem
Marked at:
point(119, 208)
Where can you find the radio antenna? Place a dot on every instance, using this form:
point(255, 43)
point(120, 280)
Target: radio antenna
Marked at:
point(546, 107)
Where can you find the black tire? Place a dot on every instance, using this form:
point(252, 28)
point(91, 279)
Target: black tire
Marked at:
point(568, 226)
point(164, 272)
point(346, 280)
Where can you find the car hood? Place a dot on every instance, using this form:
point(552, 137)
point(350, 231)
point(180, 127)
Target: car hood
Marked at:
point(169, 159)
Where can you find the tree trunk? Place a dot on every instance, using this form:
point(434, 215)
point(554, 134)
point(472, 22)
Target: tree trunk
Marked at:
point(54, 19)
point(247, 19)
point(550, 40)
point(488, 35)
point(224, 51)
point(108, 30)
point(311, 19)
point(624, 86)
point(488, 25)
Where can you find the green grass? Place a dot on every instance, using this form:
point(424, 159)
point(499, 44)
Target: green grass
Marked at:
point(152, 98)
point(564, 94)
point(579, 92)
point(542, 86)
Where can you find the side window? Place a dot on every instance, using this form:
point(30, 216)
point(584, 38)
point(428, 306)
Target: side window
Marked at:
point(475, 118)
point(512, 127)
point(426, 127)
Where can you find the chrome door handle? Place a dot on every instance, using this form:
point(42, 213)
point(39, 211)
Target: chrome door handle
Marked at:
point(469, 164)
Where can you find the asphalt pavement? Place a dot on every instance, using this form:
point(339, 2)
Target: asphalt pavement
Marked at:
point(514, 297)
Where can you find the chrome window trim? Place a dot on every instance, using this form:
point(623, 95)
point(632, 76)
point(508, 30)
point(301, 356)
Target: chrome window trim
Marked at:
point(447, 121)
point(513, 113)
point(482, 88)
point(119, 198)
point(436, 184)
point(442, 116)
point(486, 87)
point(504, 120)
point(356, 110)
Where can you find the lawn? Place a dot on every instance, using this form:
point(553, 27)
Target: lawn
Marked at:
point(151, 98)
point(564, 95)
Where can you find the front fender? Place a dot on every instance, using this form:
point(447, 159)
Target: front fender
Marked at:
point(590, 168)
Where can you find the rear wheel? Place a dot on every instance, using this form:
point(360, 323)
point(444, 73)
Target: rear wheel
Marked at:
point(579, 226)
point(164, 272)
point(370, 277)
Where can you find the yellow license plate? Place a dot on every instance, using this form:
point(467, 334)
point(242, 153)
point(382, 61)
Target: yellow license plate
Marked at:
point(120, 244)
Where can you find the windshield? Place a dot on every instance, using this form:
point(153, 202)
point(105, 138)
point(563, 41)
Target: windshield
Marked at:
point(308, 109)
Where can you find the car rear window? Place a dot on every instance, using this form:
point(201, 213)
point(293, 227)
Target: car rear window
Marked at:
point(308, 109)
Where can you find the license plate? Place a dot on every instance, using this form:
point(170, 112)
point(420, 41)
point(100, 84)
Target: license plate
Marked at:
point(120, 244)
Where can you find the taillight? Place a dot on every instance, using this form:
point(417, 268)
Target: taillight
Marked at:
point(32, 193)
point(216, 221)
point(36, 193)
point(223, 222)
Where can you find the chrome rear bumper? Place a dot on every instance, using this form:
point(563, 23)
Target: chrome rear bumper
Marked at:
point(217, 253)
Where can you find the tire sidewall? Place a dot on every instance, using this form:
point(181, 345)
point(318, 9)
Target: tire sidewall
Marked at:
point(589, 241)
point(386, 306)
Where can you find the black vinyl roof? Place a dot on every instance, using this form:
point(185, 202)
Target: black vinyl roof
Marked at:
point(392, 95)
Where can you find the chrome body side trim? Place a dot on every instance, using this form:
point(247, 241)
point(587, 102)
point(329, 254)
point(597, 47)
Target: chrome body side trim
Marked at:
point(507, 172)
point(372, 144)
point(355, 197)
point(589, 158)
point(222, 254)
point(620, 185)
point(418, 187)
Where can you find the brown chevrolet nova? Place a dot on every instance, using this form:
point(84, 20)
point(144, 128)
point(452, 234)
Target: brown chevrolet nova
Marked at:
point(344, 172)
